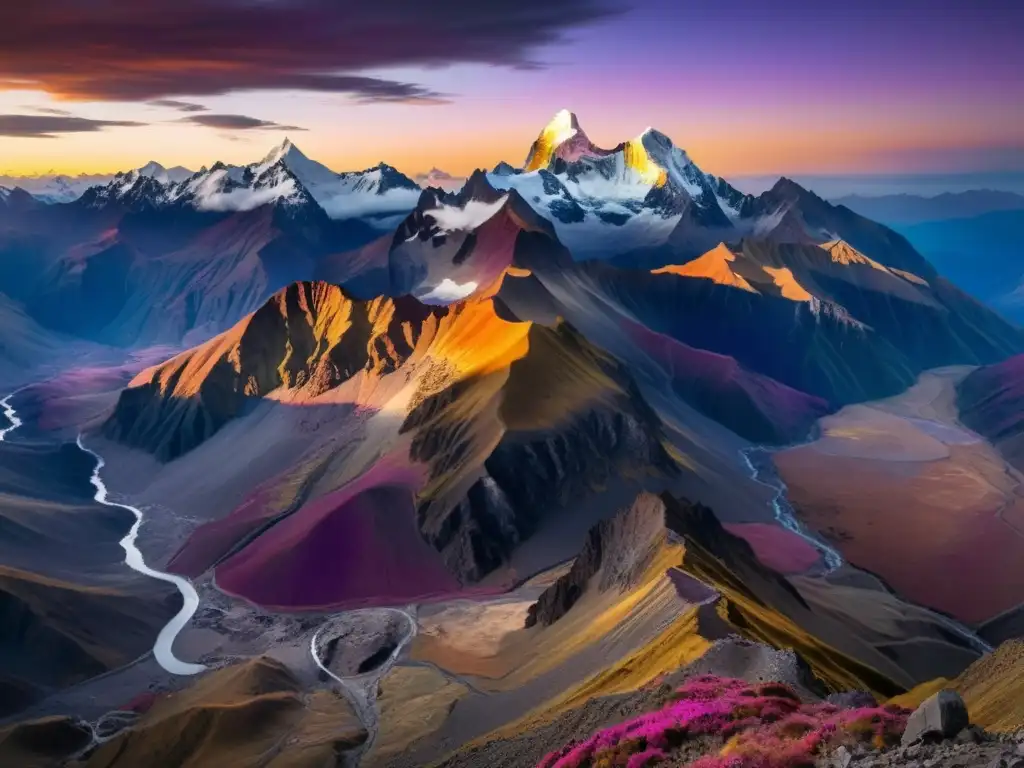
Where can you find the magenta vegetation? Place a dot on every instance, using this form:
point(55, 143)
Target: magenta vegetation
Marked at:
point(757, 726)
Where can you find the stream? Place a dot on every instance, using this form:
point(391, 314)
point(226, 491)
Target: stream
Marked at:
point(785, 516)
point(163, 648)
point(783, 510)
point(361, 690)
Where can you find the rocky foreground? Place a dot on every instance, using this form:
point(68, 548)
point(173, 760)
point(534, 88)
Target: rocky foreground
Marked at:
point(770, 715)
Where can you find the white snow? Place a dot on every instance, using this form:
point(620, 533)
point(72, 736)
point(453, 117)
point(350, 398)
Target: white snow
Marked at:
point(560, 129)
point(173, 175)
point(764, 225)
point(210, 195)
point(731, 213)
point(593, 238)
point(447, 291)
point(475, 213)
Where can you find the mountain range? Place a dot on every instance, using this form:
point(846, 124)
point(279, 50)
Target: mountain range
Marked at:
point(663, 322)
point(489, 454)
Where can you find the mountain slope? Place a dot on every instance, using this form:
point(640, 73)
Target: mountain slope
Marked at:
point(853, 329)
point(991, 402)
point(122, 265)
point(442, 431)
point(240, 715)
point(58, 633)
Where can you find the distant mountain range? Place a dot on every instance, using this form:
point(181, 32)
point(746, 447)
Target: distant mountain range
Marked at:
point(974, 238)
point(207, 247)
point(902, 210)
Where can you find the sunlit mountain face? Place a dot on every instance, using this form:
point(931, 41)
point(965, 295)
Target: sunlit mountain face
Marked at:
point(468, 436)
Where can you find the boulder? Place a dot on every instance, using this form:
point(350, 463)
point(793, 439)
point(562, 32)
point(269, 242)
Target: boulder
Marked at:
point(941, 716)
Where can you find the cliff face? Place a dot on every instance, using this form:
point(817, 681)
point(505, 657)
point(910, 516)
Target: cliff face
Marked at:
point(615, 554)
point(309, 337)
point(570, 422)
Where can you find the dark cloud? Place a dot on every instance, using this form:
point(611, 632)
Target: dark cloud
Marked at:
point(181, 106)
point(160, 49)
point(238, 123)
point(50, 111)
point(50, 126)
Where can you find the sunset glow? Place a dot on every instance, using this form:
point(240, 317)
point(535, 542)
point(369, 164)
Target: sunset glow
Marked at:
point(791, 89)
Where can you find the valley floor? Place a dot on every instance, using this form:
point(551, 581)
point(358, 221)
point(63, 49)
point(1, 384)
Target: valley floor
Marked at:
point(908, 493)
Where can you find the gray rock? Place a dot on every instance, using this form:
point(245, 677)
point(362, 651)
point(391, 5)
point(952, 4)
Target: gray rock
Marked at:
point(1007, 761)
point(852, 699)
point(842, 758)
point(972, 734)
point(941, 716)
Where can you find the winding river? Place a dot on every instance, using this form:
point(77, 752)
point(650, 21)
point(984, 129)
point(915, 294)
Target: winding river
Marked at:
point(783, 510)
point(163, 650)
point(10, 414)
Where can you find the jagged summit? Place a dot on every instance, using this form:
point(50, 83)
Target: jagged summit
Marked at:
point(282, 151)
point(504, 169)
point(562, 138)
point(563, 126)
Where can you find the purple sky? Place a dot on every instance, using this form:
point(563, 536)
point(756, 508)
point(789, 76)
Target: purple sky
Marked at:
point(747, 87)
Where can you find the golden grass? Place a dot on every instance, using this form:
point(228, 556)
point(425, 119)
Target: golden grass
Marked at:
point(526, 654)
point(413, 702)
point(913, 698)
point(992, 688)
point(676, 646)
point(240, 716)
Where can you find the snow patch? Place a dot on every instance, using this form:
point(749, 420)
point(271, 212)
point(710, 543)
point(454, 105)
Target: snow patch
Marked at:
point(447, 291)
point(475, 213)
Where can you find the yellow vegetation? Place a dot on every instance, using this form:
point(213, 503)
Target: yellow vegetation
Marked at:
point(413, 702)
point(992, 687)
point(237, 716)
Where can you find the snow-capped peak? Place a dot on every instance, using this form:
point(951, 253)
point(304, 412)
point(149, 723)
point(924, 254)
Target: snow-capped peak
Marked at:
point(152, 168)
point(561, 137)
point(563, 126)
point(284, 150)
